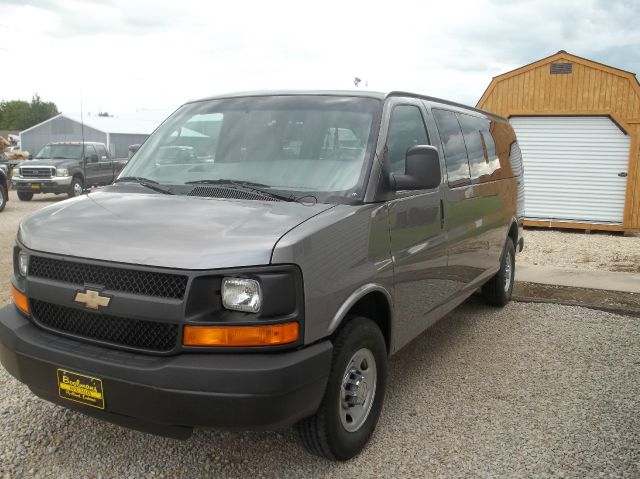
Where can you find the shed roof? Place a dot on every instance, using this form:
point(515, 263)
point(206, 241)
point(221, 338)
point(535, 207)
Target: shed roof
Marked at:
point(561, 55)
point(107, 124)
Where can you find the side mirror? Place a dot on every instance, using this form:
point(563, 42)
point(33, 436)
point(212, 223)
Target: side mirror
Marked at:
point(422, 169)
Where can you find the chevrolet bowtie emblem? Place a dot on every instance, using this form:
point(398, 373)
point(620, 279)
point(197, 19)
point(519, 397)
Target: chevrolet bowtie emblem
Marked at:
point(92, 299)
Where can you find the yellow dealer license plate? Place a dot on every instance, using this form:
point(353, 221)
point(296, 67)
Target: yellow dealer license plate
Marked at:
point(80, 388)
point(35, 186)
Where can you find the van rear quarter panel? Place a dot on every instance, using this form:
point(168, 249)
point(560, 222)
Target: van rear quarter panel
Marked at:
point(338, 251)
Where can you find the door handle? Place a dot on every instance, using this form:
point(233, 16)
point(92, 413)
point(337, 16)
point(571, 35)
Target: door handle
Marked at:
point(441, 214)
point(622, 174)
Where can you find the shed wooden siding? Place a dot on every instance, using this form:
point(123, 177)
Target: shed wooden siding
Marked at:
point(591, 89)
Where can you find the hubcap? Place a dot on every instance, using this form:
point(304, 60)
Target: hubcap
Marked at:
point(77, 189)
point(508, 271)
point(357, 390)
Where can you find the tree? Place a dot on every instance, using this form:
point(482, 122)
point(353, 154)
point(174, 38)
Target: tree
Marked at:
point(41, 110)
point(14, 115)
point(20, 115)
point(104, 113)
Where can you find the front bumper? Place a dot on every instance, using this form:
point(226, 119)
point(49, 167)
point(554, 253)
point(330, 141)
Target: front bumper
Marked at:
point(172, 394)
point(55, 184)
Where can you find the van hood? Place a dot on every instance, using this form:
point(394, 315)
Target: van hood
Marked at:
point(166, 231)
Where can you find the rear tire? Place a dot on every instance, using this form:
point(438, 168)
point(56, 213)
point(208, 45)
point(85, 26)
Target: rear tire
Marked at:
point(497, 291)
point(355, 390)
point(25, 196)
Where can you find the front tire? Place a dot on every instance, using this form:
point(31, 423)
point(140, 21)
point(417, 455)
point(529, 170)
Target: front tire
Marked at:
point(497, 291)
point(25, 196)
point(76, 187)
point(3, 195)
point(355, 391)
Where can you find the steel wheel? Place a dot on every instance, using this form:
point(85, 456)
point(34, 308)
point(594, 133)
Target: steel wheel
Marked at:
point(508, 271)
point(352, 402)
point(77, 188)
point(357, 390)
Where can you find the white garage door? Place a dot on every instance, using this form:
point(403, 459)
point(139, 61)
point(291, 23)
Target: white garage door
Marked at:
point(571, 167)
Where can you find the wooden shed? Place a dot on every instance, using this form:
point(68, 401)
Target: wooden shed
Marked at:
point(578, 126)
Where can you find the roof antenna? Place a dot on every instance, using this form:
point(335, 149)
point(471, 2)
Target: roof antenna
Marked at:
point(82, 158)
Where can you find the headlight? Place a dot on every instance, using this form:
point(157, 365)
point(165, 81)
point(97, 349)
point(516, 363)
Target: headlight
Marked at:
point(23, 263)
point(241, 294)
point(62, 172)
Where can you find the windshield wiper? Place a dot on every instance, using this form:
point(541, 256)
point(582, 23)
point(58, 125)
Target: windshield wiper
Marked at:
point(244, 185)
point(225, 181)
point(147, 183)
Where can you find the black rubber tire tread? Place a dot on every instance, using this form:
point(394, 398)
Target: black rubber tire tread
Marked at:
point(76, 179)
point(3, 202)
point(493, 290)
point(25, 196)
point(315, 431)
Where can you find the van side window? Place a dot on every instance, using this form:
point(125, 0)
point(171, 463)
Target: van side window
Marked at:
point(476, 146)
point(406, 129)
point(455, 153)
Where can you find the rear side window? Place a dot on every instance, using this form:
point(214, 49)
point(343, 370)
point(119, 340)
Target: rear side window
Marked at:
point(406, 129)
point(455, 153)
point(472, 127)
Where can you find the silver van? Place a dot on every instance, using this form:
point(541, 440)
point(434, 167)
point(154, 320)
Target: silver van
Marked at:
point(259, 260)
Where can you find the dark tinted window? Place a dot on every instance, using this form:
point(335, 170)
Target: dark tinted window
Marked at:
point(493, 162)
point(90, 152)
point(455, 152)
point(472, 127)
point(102, 152)
point(489, 143)
point(406, 129)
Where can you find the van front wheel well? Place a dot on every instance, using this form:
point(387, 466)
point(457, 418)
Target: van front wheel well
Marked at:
point(374, 306)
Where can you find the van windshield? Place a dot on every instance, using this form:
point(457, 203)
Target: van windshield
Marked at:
point(305, 145)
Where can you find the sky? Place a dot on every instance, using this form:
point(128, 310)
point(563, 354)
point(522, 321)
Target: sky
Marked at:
point(150, 56)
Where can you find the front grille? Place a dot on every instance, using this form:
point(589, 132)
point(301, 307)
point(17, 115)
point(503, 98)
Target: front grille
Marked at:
point(34, 172)
point(134, 333)
point(162, 285)
point(218, 192)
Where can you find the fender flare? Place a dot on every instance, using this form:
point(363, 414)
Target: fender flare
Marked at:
point(353, 298)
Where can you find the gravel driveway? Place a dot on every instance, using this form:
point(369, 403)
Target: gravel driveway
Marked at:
point(575, 249)
point(9, 221)
point(530, 390)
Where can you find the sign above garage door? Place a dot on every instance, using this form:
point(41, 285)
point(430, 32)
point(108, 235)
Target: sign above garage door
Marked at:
point(574, 168)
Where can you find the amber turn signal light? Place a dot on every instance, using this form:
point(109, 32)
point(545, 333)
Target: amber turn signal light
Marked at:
point(267, 335)
point(20, 300)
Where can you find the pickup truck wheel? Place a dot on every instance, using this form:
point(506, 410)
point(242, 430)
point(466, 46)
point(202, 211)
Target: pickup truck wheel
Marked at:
point(355, 390)
point(76, 187)
point(497, 291)
point(3, 193)
point(25, 196)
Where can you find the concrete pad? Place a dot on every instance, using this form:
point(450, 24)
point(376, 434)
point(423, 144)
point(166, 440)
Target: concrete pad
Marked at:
point(579, 278)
